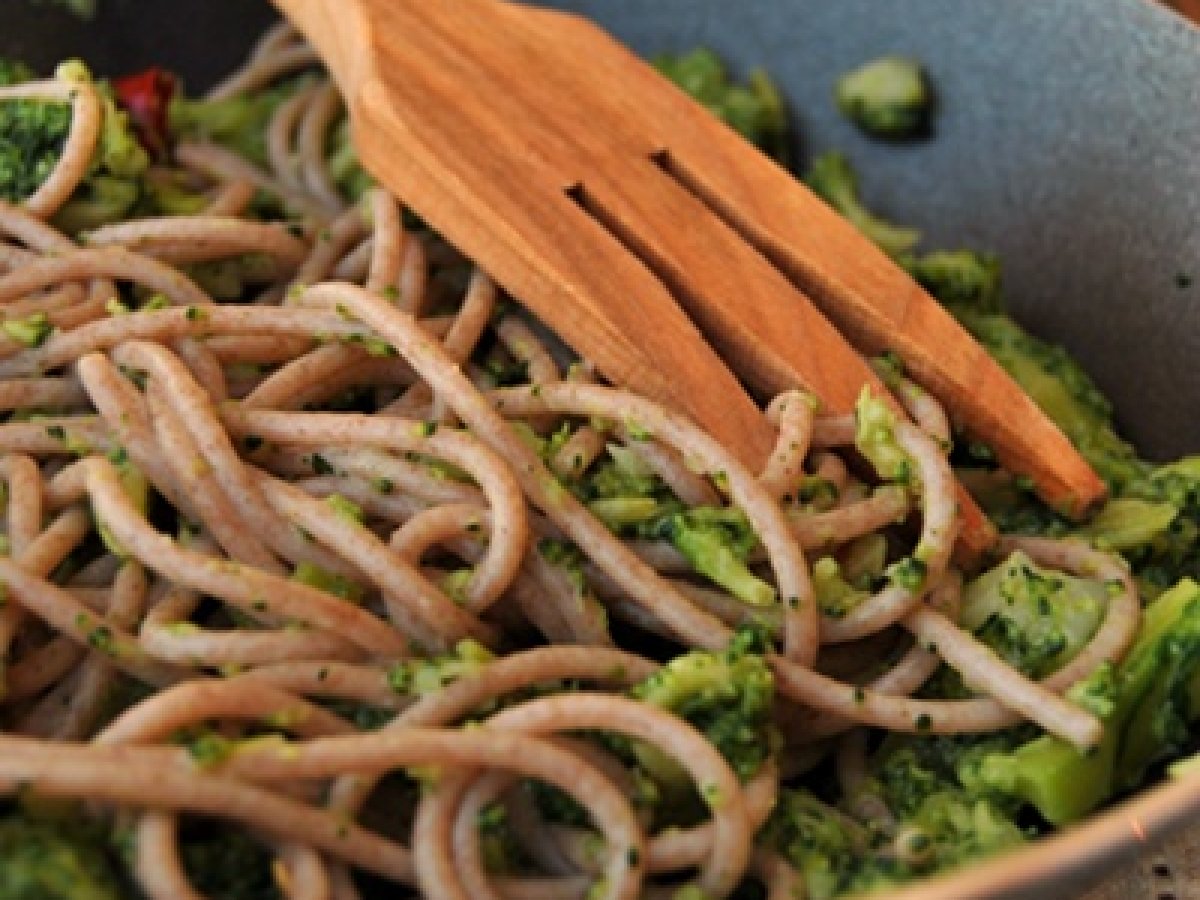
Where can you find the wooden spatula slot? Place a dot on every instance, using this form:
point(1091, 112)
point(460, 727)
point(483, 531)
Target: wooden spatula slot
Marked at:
point(877, 307)
point(731, 292)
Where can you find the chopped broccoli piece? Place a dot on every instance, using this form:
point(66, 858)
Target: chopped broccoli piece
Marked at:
point(889, 97)
point(1036, 619)
point(30, 331)
point(908, 572)
point(345, 509)
point(32, 135)
point(716, 543)
point(427, 675)
point(169, 194)
point(959, 278)
point(835, 595)
point(329, 582)
point(831, 178)
point(113, 183)
point(46, 860)
point(623, 475)
point(238, 123)
point(1126, 523)
point(755, 111)
point(726, 694)
point(99, 200)
point(939, 824)
point(875, 438)
point(1062, 389)
point(1154, 693)
point(1177, 483)
point(823, 844)
point(13, 71)
point(230, 278)
point(616, 512)
point(942, 818)
point(960, 828)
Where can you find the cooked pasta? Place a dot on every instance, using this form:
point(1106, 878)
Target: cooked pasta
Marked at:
point(361, 522)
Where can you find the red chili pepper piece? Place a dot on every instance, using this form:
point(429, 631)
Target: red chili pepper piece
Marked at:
point(146, 97)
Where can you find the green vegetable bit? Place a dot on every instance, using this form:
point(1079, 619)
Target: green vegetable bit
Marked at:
point(1152, 697)
point(717, 542)
point(832, 178)
point(754, 110)
point(48, 860)
point(426, 675)
point(1036, 619)
point(726, 694)
point(32, 136)
point(889, 97)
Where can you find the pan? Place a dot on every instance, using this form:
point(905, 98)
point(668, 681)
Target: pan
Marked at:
point(1065, 142)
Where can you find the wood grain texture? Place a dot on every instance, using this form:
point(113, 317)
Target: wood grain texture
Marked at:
point(1188, 8)
point(642, 230)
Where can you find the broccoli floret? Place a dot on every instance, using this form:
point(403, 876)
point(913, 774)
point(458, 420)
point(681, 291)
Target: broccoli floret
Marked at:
point(238, 123)
point(755, 110)
point(1151, 697)
point(46, 860)
point(875, 438)
point(1062, 389)
point(889, 97)
point(726, 694)
point(623, 475)
point(427, 675)
point(959, 278)
point(716, 542)
point(13, 71)
point(1127, 523)
point(938, 823)
point(32, 135)
point(825, 846)
point(30, 331)
point(1156, 524)
point(942, 817)
point(958, 828)
point(835, 595)
point(1036, 619)
point(623, 492)
point(834, 181)
point(1177, 483)
point(329, 582)
point(345, 509)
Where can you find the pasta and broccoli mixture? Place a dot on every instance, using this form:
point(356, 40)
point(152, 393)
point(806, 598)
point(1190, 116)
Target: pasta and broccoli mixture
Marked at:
point(328, 573)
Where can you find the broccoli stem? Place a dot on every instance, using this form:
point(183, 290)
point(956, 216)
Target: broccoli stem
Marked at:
point(1155, 688)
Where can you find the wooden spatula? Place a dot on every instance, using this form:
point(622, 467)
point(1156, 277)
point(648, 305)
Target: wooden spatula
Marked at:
point(652, 238)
